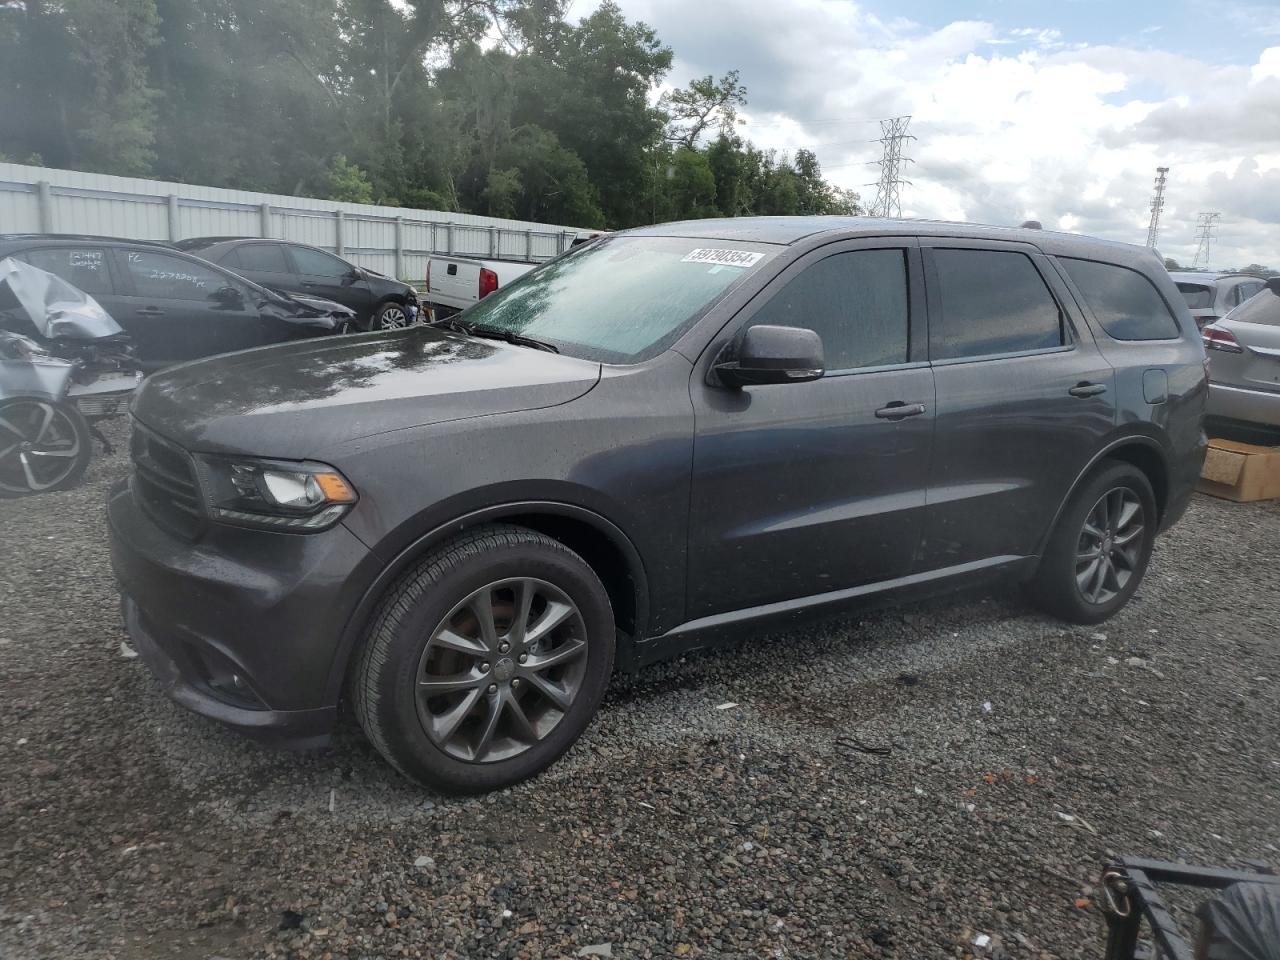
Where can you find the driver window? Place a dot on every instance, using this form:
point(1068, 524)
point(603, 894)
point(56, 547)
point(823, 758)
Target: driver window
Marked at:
point(855, 301)
point(317, 264)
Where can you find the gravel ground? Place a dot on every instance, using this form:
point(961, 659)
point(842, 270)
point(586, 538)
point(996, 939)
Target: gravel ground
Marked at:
point(678, 826)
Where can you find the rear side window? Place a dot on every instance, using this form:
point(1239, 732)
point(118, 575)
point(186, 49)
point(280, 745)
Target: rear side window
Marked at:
point(1263, 308)
point(1247, 290)
point(83, 267)
point(993, 301)
point(1124, 301)
point(262, 257)
point(1197, 295)
point(855, 301)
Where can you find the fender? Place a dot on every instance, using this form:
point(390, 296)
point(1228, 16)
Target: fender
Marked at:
point(1128, 439)
point(352, 632)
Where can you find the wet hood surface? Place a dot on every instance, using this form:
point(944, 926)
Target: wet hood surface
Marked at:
point(298, 399)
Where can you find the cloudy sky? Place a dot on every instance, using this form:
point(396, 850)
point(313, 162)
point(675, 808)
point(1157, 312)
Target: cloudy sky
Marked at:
point(1056, 110)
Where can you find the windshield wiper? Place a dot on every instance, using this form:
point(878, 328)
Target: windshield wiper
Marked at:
point(493, 333)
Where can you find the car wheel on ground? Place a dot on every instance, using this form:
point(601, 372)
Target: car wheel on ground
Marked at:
point(390, 316)
point(43, 446)
point(1100, 547)
point(486, 661)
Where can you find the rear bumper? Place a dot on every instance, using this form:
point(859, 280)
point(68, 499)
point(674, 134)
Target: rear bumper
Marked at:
point(1244, 405)
point(240, 626)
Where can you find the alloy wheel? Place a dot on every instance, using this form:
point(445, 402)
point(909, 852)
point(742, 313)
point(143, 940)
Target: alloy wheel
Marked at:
point(394, 318)
point(1110, 546)
point(39, 446)
point(501, 670)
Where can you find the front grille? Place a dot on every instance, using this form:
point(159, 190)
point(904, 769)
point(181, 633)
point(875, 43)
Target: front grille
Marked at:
point(164, 478)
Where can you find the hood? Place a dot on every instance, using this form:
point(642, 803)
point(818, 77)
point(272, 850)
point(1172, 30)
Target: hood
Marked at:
point(56, 308)
point(296, 400)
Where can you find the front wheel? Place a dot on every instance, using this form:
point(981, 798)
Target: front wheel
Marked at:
point(1100, 548)
point(44, 446)
point(486, 661)
point(390, 316)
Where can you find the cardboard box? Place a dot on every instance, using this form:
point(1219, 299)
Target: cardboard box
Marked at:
point(1240, 471)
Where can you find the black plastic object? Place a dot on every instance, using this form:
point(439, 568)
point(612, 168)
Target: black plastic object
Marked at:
point(1242, 923)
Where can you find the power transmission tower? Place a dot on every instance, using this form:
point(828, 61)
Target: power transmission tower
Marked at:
point(1206, 231)
point(888, 202)
point(1157, 206)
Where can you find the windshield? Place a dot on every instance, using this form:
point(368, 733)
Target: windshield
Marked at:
point(621, 299)
point(1197, 295)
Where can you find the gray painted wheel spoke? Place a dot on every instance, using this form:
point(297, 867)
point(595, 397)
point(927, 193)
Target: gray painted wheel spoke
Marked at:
point(560, 697)
point(1128, 510)
point(521, 725)
point(482, 606)
point(1093, 531)
point(1125, 539)
point(29, 474)
point(8, 450)
point(435, 686)
point(552, 617)
point(447, 723)
point(1085, 577)
point(569, 650)
point(1115, 529)
point(497, 704)
point(55, 453)
point(1088, 555)
point(11, 428)
point(525, 592)
point(453, 640)
point(44, 426)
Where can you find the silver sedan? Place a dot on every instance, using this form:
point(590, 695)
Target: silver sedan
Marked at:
point(1244, 361)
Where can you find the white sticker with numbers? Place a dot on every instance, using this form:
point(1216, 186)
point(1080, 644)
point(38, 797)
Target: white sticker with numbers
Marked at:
point(722, 258)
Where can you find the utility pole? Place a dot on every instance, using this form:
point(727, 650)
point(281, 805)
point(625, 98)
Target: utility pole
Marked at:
point(1206, 232)
point(888, 202)
point(1157, 206)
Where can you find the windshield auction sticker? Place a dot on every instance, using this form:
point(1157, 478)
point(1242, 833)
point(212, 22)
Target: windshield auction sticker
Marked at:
point(722, 258)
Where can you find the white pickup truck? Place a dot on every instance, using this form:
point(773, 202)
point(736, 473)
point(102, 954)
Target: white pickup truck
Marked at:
point(455, 283)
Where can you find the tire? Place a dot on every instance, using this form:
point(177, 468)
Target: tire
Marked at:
point(1068, 583)
point(427, 636)
point(44, 446)
point(390, 316)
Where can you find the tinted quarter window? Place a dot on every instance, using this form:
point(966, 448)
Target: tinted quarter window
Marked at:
point(1124, 301)
point(993, 301)
point(262, 257)
point(83, 267)
point(1197, 295)
point(856, 302)
point(1247, 290)
point(1264, 309)
point(172, 278)
point(317, 264)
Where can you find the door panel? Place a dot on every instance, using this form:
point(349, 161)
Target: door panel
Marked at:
point(180, 311)
point(323, 275)
point(1014, 430)
point(801, 489)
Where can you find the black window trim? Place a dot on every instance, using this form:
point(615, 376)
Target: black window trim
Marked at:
point(1092, 318)
point(917, 331)
point(933, 288)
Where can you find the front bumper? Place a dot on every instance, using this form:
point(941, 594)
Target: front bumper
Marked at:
point(1244, 405)
point(240, 626)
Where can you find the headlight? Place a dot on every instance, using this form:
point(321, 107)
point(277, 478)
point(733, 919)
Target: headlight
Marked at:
point(276, 494)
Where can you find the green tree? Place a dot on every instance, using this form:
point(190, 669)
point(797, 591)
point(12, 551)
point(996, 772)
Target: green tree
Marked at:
point(706, 103)
point(348, 183)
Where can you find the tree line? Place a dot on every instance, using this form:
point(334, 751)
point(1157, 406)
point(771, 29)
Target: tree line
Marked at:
point(498, 107)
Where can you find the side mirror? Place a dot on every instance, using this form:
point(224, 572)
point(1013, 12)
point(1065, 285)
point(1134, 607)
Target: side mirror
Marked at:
point(766, 354)
point(228, 297)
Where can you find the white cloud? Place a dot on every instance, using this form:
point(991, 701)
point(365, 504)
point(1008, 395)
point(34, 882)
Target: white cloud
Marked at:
point(1010, 124)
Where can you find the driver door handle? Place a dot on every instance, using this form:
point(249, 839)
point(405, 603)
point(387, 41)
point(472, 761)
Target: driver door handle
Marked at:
point(1086, 389)
point(900, 410)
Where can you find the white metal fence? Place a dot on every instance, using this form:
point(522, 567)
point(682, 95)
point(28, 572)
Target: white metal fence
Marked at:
point(391, 240)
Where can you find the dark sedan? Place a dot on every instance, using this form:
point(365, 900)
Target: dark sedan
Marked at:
point(380, 303)
point(175, 306)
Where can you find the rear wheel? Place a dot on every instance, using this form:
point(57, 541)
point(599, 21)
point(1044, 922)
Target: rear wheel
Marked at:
point(43, 446)
point(486, 662)
point(1099, 550)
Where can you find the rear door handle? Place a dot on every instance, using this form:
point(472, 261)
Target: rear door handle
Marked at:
point(149, 312)
point(1087, 389)
point(900, 410)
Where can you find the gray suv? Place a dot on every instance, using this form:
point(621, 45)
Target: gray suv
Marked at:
point(1210, 296)
point(666, 437)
